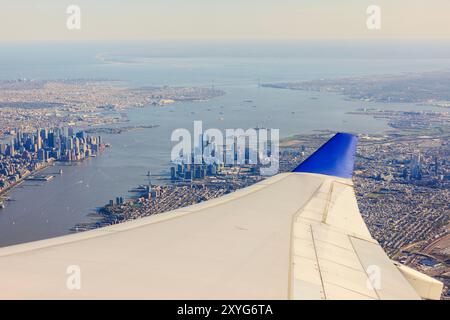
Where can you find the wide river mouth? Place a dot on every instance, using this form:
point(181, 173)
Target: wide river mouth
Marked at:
point(40, 210)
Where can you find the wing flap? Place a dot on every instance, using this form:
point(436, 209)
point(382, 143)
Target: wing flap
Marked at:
point(297, 235)
point(331, 243)
point(383, 276)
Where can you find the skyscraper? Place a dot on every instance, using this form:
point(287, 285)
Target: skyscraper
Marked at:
point(11, 149)
point(39, 140)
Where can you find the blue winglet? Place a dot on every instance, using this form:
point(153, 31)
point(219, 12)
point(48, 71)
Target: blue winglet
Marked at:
point(335, 158)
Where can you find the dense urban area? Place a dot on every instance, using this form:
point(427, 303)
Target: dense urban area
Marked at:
point(402, 183)
point(428, 88)
point(23, 154)
point(402, 177)
point(33, 104)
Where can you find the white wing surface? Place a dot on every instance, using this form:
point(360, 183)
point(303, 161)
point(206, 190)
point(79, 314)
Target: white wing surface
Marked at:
point(296, 235)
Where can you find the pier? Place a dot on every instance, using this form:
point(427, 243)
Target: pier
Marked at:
point(40, 178)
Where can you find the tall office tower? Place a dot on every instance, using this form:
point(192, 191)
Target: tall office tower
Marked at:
point(198, 148)
point(70, 131)
point(39, 140)
point(57, 141)
point(51, 139)
point(44, 134)
point(69, 143)
point(41, 155)
point(56, 132)
point(65, 131)
point(76, 145)
point(415, 167)
point(197, 171)
point(180, 168)
point(63, 144)
point(2, 148)
point(11, 149)
point(19, 136)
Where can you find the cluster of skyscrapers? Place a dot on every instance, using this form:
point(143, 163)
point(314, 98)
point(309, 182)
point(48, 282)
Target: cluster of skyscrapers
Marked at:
point(210, 156)
point(416, 168)
point(58, 143)
point(186, 171)
point(22, 153)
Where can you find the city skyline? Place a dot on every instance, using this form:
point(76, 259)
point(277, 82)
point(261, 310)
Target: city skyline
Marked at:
point(241, 142)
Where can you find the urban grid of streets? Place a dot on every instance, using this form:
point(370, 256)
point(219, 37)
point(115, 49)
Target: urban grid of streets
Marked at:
point(402, 183)
point(402, 178)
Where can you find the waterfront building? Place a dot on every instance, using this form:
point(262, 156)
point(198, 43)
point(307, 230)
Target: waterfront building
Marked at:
point(26, 151)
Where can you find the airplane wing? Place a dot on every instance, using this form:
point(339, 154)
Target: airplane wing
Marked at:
point(295, 235)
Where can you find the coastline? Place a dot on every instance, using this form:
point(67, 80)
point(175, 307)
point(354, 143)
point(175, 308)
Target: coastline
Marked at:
point(44, 166)
point(22, 179)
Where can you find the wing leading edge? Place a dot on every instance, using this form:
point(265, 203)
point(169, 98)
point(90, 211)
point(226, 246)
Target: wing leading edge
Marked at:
point(296, 235)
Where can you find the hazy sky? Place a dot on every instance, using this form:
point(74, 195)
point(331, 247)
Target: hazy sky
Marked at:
point(38, 20)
